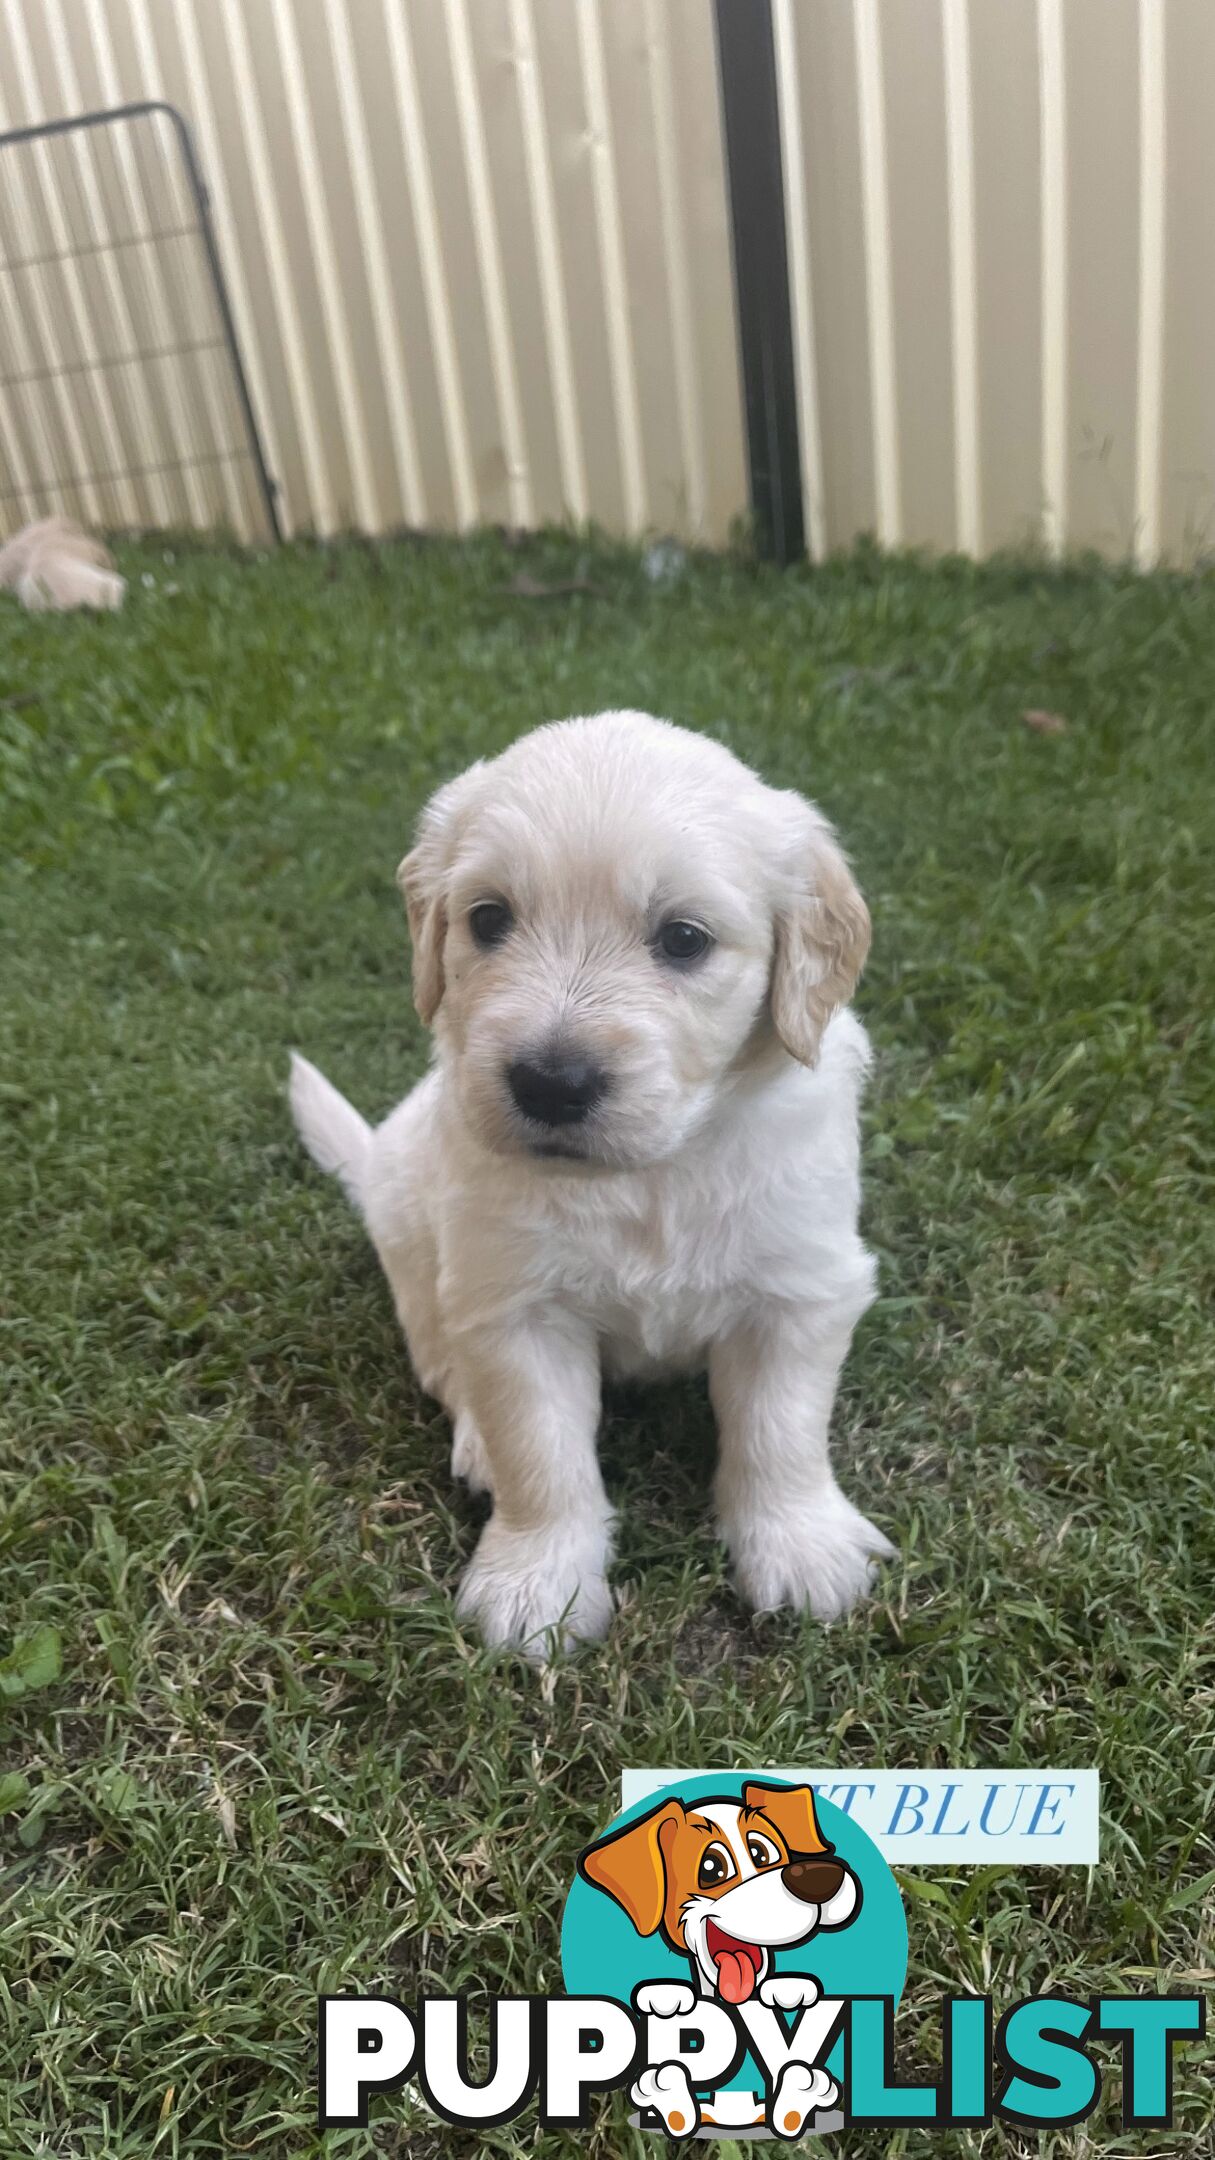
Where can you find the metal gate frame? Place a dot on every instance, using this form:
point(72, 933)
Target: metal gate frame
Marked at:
point(137, 110)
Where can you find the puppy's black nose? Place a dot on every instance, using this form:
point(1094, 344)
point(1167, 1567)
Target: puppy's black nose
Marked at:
point(814, 1881)
point(556, 1091)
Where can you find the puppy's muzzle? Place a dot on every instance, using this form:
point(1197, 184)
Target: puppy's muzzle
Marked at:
point(556, 1091)
point(815, 1882)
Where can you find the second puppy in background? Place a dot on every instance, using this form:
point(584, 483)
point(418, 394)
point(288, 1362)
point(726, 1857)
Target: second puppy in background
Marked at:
point(53, 566)
point(636, 1152)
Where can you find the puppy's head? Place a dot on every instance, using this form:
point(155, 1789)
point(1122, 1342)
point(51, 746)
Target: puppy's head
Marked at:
point(611, 922)
point(727, 1882)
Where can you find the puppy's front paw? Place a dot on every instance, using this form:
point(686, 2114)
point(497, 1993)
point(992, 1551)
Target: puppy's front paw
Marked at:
point(664, 1998)
point(820, 1556)
point(789, 1991)
point(523, 1587)
point(800, 2093)
point(666, 2090)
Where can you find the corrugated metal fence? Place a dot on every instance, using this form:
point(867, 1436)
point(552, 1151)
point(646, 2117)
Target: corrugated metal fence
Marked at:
point(479, 257)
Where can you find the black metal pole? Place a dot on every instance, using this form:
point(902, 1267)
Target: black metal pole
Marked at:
point(746, 61)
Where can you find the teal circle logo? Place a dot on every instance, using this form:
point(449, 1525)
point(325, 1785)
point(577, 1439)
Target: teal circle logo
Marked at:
point(726, 1883)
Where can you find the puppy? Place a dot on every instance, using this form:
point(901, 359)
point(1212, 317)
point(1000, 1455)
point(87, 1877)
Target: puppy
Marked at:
point(726, 1882)
point(636, 1152)
point(53, 565)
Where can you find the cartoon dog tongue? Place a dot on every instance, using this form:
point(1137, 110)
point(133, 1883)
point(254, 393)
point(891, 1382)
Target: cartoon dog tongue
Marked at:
point(737, 1968)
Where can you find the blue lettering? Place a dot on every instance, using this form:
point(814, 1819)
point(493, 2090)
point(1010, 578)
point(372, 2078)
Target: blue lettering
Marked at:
point(1051, 2079)
point(993, 1794)
point(905, 1804)
point(938, 1828)
point(1147, 2025)
point(1046, 1806)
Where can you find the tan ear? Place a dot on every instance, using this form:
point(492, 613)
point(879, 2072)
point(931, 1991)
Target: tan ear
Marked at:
point(630, 1866)
point(427, 930)
point(421, 877)
point(822, 937)
point(790, 1809)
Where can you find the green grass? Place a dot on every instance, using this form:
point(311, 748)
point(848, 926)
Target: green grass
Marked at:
point(271, 1763)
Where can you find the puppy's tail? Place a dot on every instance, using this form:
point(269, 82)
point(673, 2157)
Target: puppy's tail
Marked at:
point(336, 1137)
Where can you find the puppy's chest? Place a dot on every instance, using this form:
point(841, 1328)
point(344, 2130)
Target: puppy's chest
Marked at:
point(657, 1288)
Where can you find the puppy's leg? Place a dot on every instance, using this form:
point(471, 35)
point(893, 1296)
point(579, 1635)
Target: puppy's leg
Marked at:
point(794, 1538)
point(411, 1265)
point(533, 1392)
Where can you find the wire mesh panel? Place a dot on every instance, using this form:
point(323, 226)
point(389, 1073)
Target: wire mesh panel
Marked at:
point(123, 399)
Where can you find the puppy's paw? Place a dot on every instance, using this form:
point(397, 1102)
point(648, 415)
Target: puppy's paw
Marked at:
point(800, 2093)
point(527, 1588)
point(819, 1556)
point(666, 2090)
point(664, 1998)
point(789, 1991)
point(469, 1455)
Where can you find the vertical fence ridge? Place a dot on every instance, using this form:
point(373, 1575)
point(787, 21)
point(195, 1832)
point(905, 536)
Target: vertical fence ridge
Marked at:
point(81, 155)
point(1053, 122)
point(84, 154)
point(542, 202)
point(875, 212)
point(610, 237)
point(136, 199)
point(1149, 387)
point(452, 407)
point(963, 297)
point(390, 352)
point(675, 252)
point(277, 261)
point(325, 264)
point(202, 115)
point(492, 277)
point(77, 306)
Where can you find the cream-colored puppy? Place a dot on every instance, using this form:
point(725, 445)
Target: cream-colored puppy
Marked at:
point(636, 1151)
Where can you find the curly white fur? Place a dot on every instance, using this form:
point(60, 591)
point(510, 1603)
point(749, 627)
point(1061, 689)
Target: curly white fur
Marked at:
point(705, 1213)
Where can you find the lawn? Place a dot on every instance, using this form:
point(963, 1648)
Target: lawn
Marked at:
point(246, 1752)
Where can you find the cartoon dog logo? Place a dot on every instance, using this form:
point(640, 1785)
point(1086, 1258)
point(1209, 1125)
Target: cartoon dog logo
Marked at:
point(727, 1883)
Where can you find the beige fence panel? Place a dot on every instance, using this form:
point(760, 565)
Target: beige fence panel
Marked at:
point(478, 252)
point(479, 257)
point(1002, 210)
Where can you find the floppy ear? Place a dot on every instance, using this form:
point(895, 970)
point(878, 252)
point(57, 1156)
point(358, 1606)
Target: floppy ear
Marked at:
point(791, 1809)
point(421, 877)
point(822, 937)
point(629, 1864)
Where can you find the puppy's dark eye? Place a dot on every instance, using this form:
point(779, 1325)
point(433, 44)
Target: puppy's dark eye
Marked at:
point(715, 1867)
point(489, 922)
point(682, 942)
point(762, 1853)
